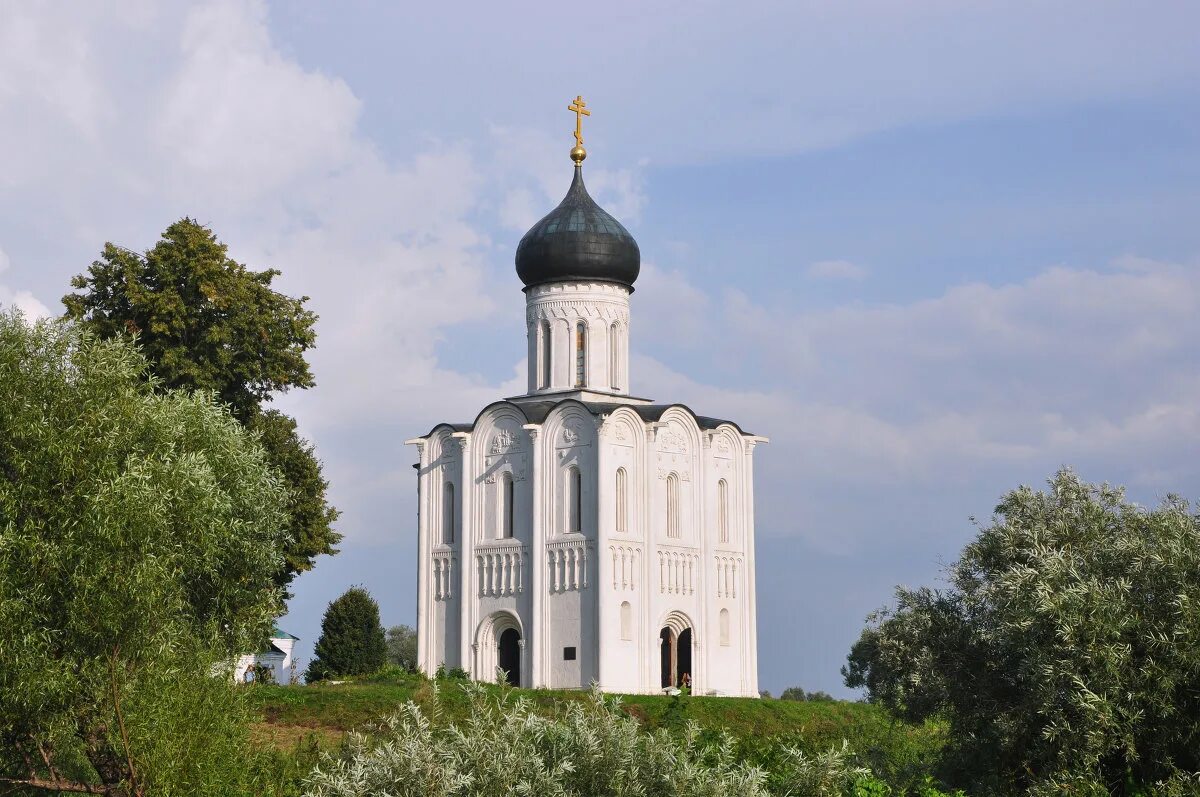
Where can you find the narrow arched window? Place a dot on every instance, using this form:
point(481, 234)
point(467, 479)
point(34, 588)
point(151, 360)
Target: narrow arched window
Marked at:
point(723, 624)
point(448, 513)
point(574, 500)
point(614, 357)
point(580, 354)
point(544, 353)
point(505, 514)
point(626, 621)
point(672, 505)
point(622, 507)
point(723, 511)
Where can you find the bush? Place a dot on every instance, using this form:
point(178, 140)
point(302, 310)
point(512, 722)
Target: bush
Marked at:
point(591, 748)
point(352, 640)
point(1066, 653)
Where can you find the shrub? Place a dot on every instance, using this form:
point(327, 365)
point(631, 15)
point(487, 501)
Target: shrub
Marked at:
point(352, 640)
point(584, 748)
point(1066, 653)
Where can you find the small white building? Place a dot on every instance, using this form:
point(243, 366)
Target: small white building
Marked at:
point(277, 655)
point(577, 533)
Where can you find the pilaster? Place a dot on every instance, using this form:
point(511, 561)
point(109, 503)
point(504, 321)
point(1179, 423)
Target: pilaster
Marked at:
point(535, 628)
point(467, 603)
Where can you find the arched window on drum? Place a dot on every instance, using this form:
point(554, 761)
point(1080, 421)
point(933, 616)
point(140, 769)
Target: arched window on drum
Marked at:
point(581, 354)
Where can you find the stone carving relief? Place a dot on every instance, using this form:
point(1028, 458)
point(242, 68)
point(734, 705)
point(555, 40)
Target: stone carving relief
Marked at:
point(501, 571)
point(568, 562)
point(502, 441)
point(672, 441)
point(443, 576)
point(677, 572)
point(624, 566)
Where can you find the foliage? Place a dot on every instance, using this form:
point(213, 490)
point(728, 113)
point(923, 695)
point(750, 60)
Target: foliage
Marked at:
point(762, 731)
point(796, 693)
point(208, 323)
point(205, 321)
point(311, 518)
point(402, 646)
point(138, 533)
point(1066, 652)
point(352, 640)
point(505, 747)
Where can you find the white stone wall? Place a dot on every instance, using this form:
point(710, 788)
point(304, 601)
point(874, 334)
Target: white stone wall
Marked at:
point(599, 578)
point(558, 308)
point(604, 590)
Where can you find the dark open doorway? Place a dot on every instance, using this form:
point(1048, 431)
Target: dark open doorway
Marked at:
point(509, 655)
point(683, 658)
point(666, 645)
point(675, 654)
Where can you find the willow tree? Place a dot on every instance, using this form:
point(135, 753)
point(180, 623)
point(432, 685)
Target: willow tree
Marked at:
point(140, 530)
point(1065, 652)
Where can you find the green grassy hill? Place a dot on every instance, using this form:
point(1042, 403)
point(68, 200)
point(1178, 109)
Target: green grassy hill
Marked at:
point(288, 714)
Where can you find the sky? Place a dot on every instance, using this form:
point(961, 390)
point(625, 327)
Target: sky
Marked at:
point(932, 250)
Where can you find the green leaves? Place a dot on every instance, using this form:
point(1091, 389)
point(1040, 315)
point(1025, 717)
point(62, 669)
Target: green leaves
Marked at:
point(1063, 649)
point(140, 532)
point(206, 323)
point(352, 639)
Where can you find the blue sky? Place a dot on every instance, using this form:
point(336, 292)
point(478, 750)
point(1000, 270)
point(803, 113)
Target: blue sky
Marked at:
point(933, 250)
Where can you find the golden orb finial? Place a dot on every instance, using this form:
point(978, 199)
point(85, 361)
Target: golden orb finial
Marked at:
point(579, 108)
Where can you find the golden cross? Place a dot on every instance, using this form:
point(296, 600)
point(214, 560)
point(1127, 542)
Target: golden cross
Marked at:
point(579, 108)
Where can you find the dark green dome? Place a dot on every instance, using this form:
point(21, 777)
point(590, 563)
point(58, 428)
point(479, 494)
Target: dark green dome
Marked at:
point(578, 240)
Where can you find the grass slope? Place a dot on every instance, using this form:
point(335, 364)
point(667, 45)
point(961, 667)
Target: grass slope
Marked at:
point(326, 712)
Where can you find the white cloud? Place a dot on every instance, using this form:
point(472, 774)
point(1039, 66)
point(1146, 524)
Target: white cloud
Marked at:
point(836, 270)
point(24, 301)
point(982, 385)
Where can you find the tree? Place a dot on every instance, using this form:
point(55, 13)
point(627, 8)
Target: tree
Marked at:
point(402, 646)
point(352, 640)
point(1065, 652)
point(206, 322)
point(796, 693)
point(139, 532)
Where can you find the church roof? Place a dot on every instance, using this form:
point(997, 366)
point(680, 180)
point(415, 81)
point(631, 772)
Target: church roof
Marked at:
point(578, 240)
point(538, 411)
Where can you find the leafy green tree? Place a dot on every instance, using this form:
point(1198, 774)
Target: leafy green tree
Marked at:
point(311, 518)
point(206, 322)
point(352, 639)
point(402, 646)
point(796, 693)
point(139, 533)
point(1065, 652)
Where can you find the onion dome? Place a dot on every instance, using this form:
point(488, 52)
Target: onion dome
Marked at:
point(578, 240)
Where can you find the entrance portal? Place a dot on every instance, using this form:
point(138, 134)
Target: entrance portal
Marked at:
point(675, 653)
point(509, 655)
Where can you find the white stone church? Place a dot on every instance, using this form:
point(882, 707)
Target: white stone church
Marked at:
point(577, 533)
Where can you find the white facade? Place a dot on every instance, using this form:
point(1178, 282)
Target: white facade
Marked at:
point(578, 534)
point(277, 657)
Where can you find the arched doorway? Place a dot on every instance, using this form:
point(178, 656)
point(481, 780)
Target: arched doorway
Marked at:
point(499, 645)
point(675, 651)
point(508, 655)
